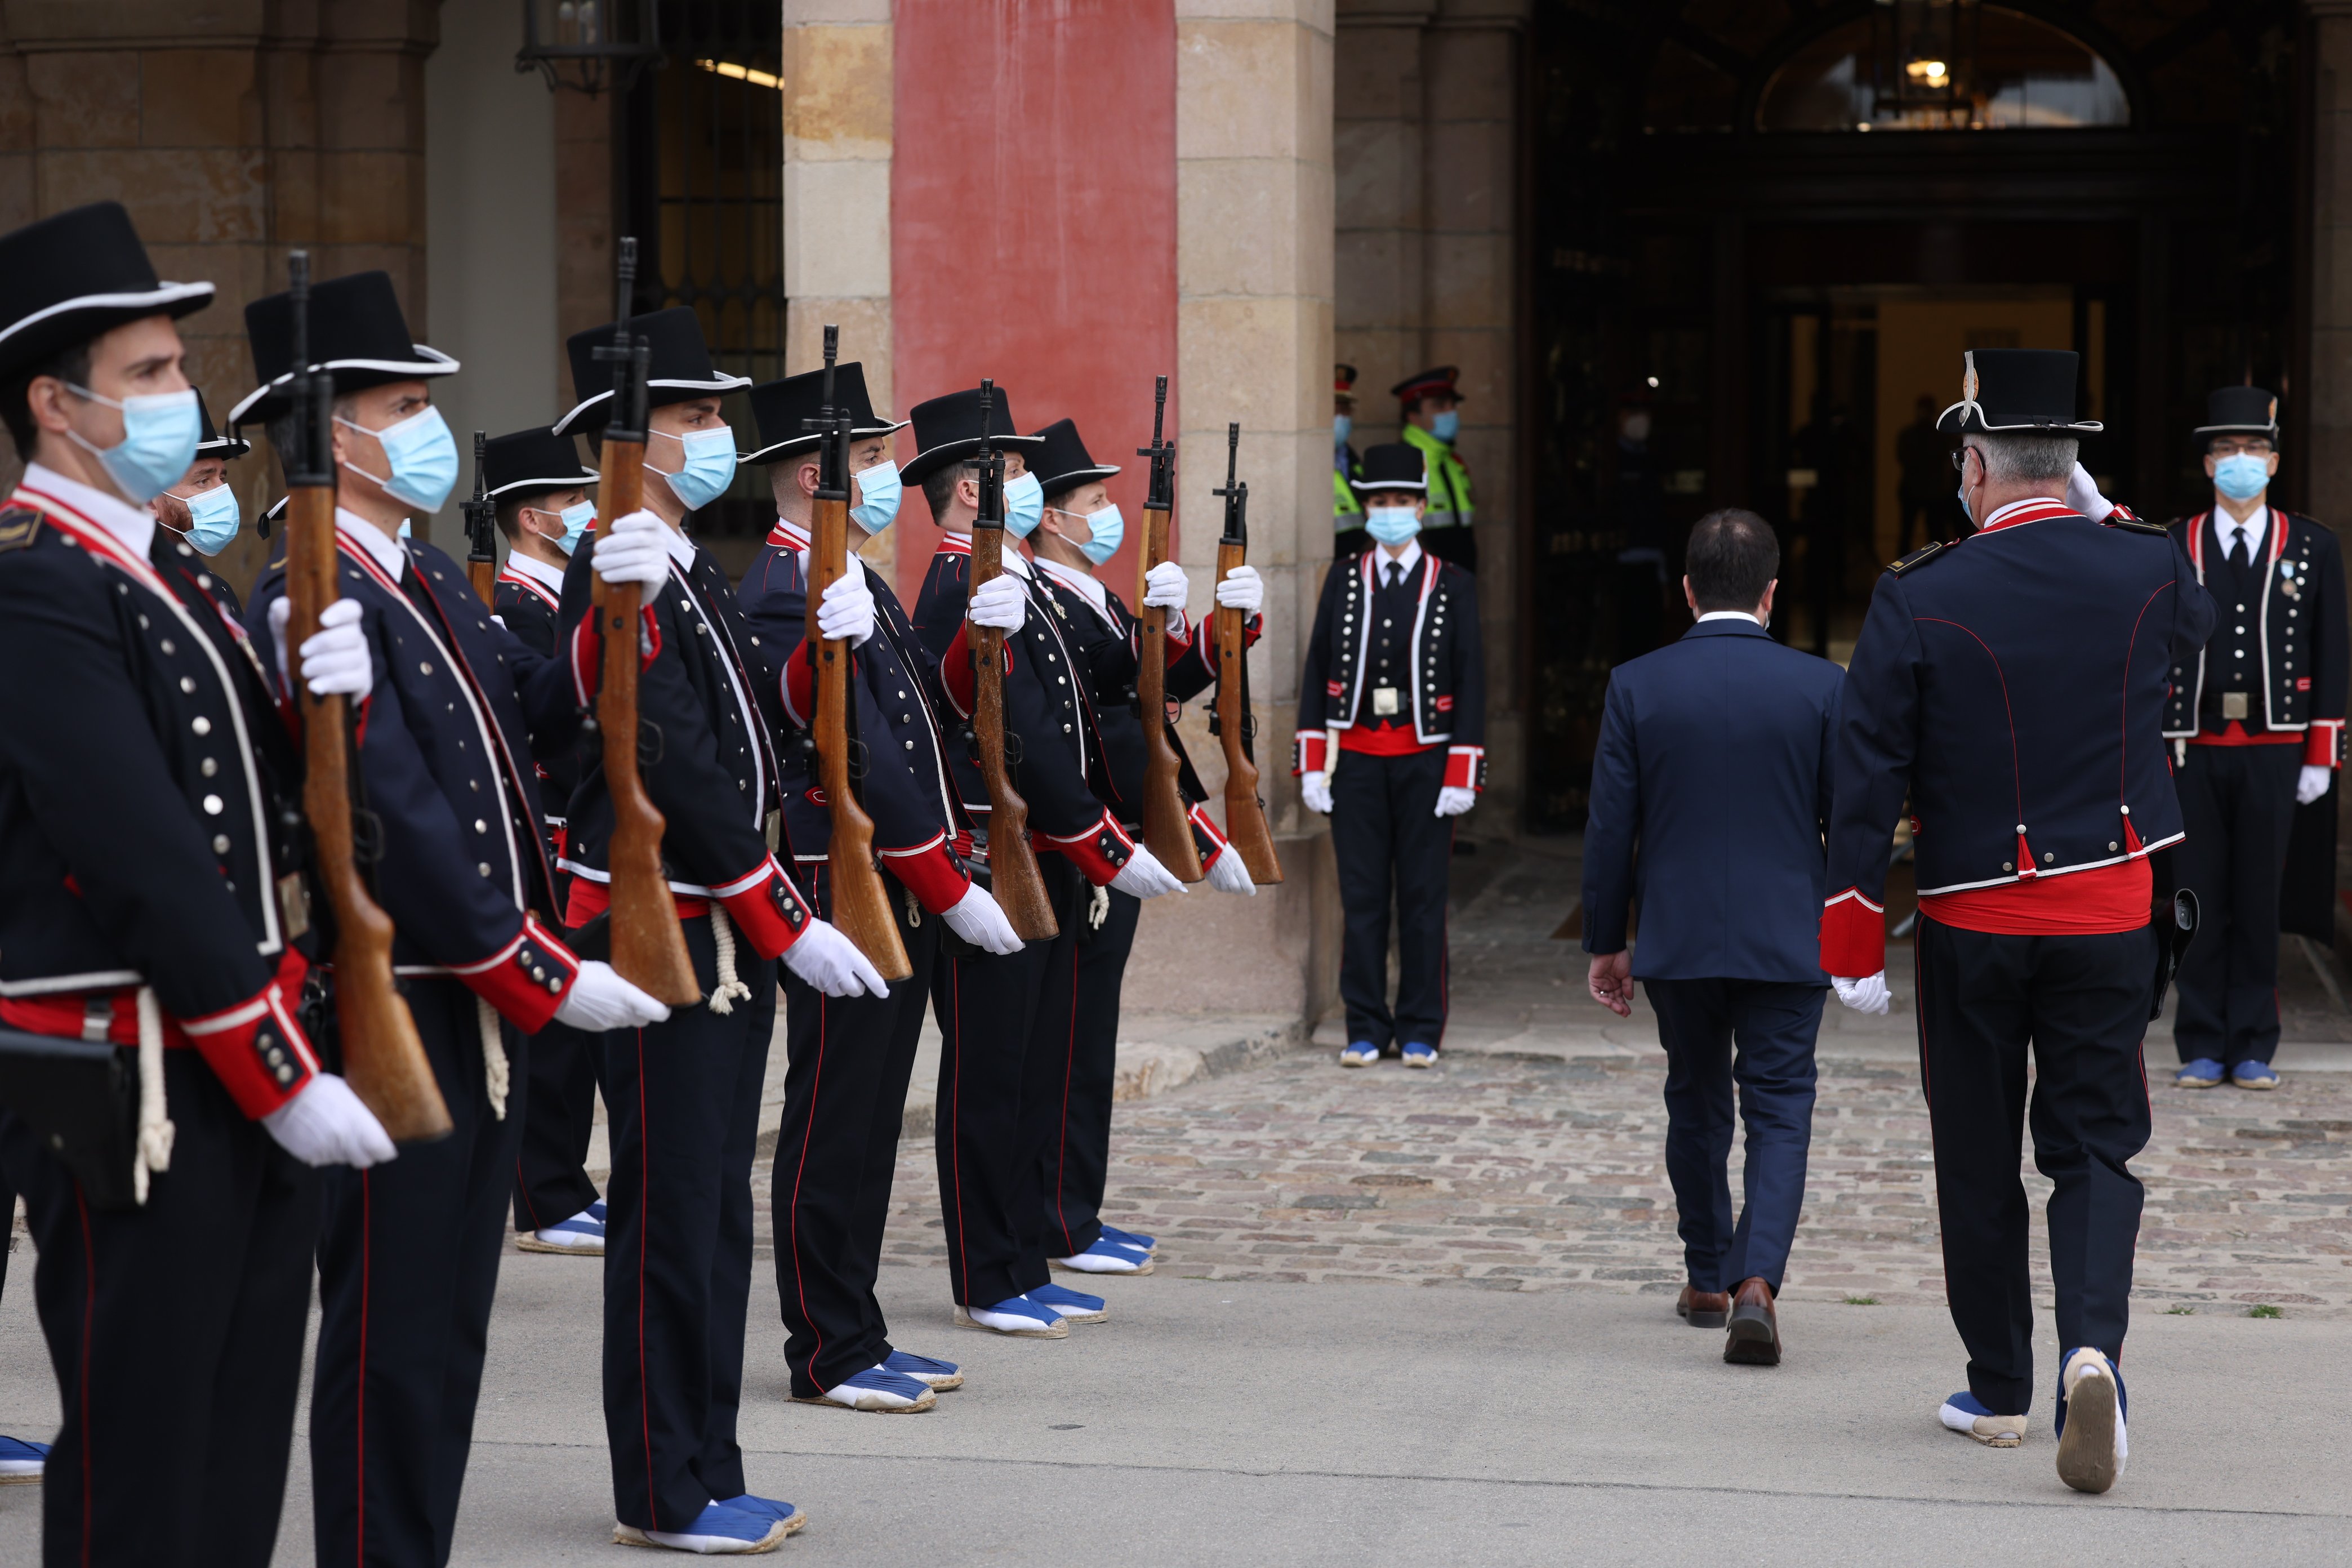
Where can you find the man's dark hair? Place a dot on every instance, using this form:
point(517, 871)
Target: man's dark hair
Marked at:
point(510, 510)
point(67, 364)
point(1732, 559)
point(940, 485)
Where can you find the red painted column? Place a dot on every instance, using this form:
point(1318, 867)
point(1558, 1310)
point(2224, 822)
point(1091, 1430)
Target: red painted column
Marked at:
point(1033, 225)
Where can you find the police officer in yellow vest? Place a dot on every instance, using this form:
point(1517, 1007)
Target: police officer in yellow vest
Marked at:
point(1347, 535)
point(1431, 405)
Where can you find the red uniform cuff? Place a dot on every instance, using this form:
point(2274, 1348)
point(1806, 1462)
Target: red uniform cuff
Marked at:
point(256, 1050)
point(799, 684)
point(1853, 936)
point(1252, 629)
point(526, 979)
point(1099, 853)
point(930, 872)
point(2323, 743)
point(1465, 767)
point(1205, 837)
point(1311, 753)
point(766, 908)
point(587, 649)
point(956, 673)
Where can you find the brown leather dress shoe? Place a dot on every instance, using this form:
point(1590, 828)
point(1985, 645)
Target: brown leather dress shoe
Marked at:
point(1754, 1336)
point(1702, 1309)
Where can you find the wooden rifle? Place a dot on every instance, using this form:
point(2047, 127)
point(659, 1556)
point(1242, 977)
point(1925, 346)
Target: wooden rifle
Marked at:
point(861, 905)
point(1167, 825)
point(1012, 864)
point(383, 1060)
point(648, 947)
point(1232, 721)
point(482, 526)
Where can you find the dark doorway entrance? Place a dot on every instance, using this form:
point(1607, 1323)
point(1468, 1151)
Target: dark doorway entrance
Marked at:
point(1761, 237)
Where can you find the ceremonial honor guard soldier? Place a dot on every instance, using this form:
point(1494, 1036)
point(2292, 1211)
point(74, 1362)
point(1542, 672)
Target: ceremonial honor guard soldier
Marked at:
point(845, 1086)
point(1431, 410)
point(683, 1096)
point(1395, 665)
point(201, 510)
point(1082, 529)
point(1001, 1047)
point(144, 853)
point(2257, 721)
point(408, 1258)
point(543, 508)
point(1347, 535)
point(1987, 689)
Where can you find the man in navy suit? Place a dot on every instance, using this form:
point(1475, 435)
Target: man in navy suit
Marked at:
point(1714, 762)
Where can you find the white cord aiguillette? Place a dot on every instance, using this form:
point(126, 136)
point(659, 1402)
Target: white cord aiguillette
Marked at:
point(723, 938)
point(494, 1057)
point(152, 1151)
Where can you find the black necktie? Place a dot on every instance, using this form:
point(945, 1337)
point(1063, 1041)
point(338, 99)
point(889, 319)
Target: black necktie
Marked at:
point(1396, 574)
point(2238, 556)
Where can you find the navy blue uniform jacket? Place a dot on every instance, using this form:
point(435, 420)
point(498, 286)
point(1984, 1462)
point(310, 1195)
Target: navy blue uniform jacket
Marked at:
point(1710, 795)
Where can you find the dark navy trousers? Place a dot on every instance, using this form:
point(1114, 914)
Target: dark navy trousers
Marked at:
point(1076, 1164)
point(1757, 1035)
point(1390, 842)
point(2238, 805)
point(551, 1181)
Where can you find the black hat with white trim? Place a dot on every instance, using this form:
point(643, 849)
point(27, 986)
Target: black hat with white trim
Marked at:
point(535, 460)
point(681, 370)
point(2017, 392)
point(74, 275)
point(2240, 411)
point(782, 408)
point(213, 444)
point(947, 430)
point(1392, 467)
point(358, 336)
point(1063, 463)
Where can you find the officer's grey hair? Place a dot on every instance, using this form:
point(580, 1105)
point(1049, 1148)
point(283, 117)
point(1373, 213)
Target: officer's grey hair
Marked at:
point(2012, 458)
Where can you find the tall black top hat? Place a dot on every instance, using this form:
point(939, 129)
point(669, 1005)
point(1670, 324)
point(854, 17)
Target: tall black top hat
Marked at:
point(1063, 463)
point(947, 430)
point(357, 335)
point(1392, 467)
point(2017, 391)
point(681, 373)
point(781, 409)
point(2240, 411)
point(212, 443)
point(73, 276)
point(537, 460)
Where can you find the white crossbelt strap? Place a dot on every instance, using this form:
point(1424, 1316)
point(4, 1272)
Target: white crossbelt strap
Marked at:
point(723, 938)
point(494, 1057)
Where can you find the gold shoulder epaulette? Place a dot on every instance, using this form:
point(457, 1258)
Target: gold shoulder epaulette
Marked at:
point(2138, 525)
point(19, 526)
point(1918, 557)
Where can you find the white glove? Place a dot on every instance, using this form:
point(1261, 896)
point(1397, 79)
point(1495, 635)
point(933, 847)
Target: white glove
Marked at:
point(1315, 789)
point(1865, 995)
point(1165, 586)
point(600, 1000)
point(1000, 602)
point(831, 961)
point(335, 660)
point(634, 548)
point(1453, 800)
point(1228, 875)
point(325, 1124)
point(980, 919)
point(2083, 495)
point(2311, 783)
point(846, 612)
point(1242, 590)
point(1143, 877)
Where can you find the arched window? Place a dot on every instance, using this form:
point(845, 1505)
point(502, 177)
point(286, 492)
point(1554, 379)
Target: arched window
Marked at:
point(1932, 65)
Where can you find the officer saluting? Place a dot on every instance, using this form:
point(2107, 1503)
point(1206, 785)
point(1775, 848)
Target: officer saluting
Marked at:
point(2258, 728)
point(1987, 687)
point(142, 850)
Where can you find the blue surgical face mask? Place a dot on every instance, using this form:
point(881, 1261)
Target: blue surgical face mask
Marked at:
point(422, 457)
point(1392, 524)
point(212, 518)
point(1342, 426)
point(1963, 493)
point(2241, 476)
point(160, 432)
point(577, 519)
point(1446, 426)
point(1109, 528)
point(1024, 505)
point(882, 490)
point(710, 466)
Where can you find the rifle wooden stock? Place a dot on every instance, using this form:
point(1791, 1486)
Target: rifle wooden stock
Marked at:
point(482, 574)
point(1167, 830)
point(1245, 815)
point(648, 947)
point(1012, 870)
point(383, 1060)
point(861, 904)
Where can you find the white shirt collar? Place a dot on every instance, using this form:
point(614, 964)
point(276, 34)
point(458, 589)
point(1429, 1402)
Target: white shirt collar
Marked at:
point(135, 526)
point(1071, 577)
point(538, 570)
point(1410, 559)
point(1731, 616)
point(2227, 528)
point(681, 548)
point(796, 532)
point(384, 547)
